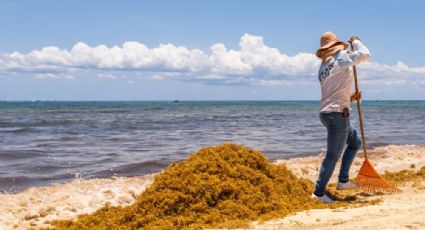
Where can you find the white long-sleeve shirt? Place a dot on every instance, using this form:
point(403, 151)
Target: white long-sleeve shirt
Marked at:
point(336, 79)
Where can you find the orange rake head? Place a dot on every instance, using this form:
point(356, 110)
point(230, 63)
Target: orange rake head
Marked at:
point(370, 181)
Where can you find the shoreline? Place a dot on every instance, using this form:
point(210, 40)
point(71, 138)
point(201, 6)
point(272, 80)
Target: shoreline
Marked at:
point(34, 206)
point(77, 176)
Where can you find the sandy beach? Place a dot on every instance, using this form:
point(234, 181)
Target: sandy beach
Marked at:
point(36, 206)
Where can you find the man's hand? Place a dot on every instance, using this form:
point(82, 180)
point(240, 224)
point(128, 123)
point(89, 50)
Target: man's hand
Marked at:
point(355, 96)
point(353, 38)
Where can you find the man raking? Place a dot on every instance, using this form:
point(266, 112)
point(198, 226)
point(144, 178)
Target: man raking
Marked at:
point(336, 82)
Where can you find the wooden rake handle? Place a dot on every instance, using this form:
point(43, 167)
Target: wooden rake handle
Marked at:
point(359, 110)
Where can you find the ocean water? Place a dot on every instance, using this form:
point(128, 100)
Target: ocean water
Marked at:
point(53, 142)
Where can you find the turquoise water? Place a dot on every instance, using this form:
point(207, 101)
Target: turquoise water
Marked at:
point(45, 142)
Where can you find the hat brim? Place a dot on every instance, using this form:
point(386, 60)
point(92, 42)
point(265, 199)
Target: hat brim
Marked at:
point(329, 45)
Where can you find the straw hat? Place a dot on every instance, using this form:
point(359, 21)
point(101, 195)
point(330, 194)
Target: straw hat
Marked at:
point(329, 46)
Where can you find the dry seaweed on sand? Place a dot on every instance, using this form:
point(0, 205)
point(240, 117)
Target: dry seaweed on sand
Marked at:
point(227, 185)
point(405, 176)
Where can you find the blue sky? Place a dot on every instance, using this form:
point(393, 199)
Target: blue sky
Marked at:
point(211, 50)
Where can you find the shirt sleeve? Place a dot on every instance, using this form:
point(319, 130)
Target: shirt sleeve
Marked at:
point(359, 54)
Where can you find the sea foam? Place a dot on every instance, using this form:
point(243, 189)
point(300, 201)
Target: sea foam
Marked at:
point(36, 206)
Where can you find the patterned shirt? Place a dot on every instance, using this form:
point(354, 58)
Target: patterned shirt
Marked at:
point(335, 77)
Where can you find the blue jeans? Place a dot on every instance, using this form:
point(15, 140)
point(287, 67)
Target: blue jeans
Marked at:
point(340, 133)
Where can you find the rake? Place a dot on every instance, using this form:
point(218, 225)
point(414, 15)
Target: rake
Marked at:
point(368, 179)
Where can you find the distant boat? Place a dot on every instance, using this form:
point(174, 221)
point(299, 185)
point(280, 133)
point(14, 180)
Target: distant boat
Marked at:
point(175, 101)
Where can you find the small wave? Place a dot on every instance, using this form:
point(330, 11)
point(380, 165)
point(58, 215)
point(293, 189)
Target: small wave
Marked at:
point(15, 184)
point(45, 168)
point(114, 111)
point(19, 183)
point(15, 129)
point(20, 154)
point(134, 169)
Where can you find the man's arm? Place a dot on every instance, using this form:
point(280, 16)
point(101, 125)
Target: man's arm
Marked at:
point(359, 54)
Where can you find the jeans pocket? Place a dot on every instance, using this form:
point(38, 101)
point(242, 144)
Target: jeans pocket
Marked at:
point(327, 119)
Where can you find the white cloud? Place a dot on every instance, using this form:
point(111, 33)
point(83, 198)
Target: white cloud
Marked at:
point(275, 82)
point(400, 69)
point(106, 75)
point(253, 63)
point(43, 76)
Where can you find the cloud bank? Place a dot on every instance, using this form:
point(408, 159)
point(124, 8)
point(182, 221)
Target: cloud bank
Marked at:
point(253, 63)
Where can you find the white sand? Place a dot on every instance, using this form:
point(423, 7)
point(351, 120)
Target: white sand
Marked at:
point(399, 211)
point(35, 206)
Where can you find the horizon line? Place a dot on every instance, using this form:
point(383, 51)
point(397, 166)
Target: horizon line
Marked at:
point(183, 100)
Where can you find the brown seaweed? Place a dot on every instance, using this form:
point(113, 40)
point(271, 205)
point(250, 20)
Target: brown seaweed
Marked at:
point(223, 186)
